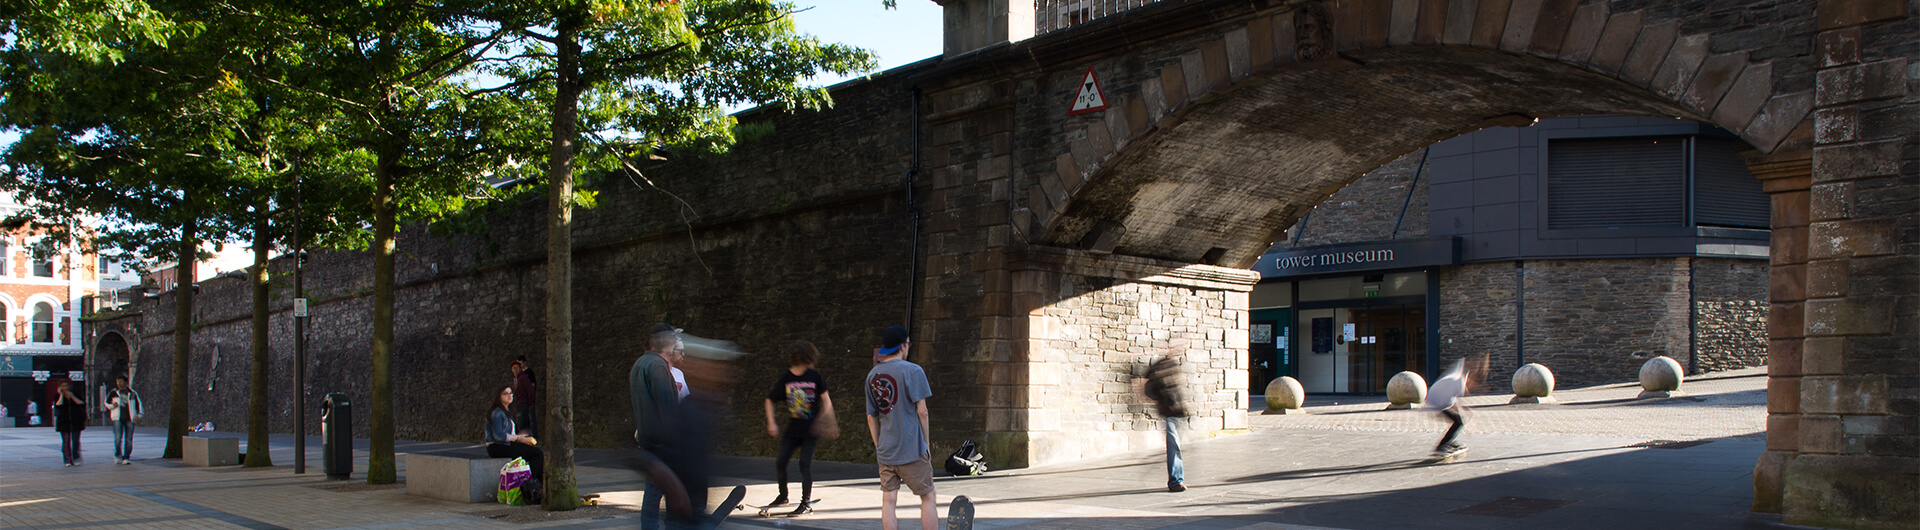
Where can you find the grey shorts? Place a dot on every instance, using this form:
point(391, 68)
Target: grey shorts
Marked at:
point(917, 475)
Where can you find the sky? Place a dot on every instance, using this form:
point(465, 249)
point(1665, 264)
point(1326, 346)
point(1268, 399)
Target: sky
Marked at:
point(909, 33)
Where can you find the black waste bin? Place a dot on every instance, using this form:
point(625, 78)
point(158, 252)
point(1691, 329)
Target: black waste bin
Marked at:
point(336, 436)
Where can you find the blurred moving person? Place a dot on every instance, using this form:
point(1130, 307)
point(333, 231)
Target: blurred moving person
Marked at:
point(1164, 386)
point(1445, 397)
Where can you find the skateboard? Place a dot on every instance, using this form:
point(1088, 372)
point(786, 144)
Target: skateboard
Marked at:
point(590, 499)
point(960, 514)
point(767, 511)
point(727, 506)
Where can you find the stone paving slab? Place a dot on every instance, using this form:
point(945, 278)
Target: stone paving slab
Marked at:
point(1347, 464)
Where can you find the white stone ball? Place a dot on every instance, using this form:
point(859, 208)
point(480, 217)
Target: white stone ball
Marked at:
point(1285, 393)
point(1661, 374)
point(1406, 388)
point(1533, 380)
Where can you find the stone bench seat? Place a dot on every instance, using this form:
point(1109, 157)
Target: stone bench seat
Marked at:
point(462, 475)
point(209, 451)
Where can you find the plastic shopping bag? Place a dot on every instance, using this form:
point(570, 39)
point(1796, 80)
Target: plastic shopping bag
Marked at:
point(512, 477)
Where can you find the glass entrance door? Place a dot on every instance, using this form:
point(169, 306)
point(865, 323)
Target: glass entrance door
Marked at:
point(1387, 340)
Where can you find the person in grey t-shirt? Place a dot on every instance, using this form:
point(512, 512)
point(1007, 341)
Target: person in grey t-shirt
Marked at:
point(897, 393)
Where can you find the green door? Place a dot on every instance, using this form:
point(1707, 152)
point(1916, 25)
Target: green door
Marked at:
point(1269, 347)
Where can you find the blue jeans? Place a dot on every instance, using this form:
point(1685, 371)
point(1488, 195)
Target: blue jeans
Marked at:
point(1176, 472)
point(650, 507)
point(123, 440)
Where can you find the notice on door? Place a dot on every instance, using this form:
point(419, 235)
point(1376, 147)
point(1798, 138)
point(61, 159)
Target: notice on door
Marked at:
point(1323, 335)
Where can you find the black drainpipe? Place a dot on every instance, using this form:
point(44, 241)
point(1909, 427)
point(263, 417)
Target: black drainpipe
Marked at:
point(1520, 314)
point(913, 252)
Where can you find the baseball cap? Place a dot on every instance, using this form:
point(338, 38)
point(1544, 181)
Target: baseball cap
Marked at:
point(710, 349)
point(891, 339)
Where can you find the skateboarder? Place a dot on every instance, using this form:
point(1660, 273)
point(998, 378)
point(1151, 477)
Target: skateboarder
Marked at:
point(1445, 397)
point(897, 393)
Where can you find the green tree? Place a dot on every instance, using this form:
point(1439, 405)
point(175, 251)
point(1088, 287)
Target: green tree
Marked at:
point(634, 75)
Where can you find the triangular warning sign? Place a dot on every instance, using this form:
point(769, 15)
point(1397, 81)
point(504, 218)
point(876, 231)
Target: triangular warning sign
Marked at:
point(1089, 98)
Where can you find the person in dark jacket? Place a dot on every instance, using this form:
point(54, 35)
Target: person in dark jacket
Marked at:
point(1163, 386)
point(69, 417)
point(504, 441)
point(526, 395)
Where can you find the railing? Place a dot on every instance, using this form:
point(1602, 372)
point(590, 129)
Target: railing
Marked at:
point(1055, 15)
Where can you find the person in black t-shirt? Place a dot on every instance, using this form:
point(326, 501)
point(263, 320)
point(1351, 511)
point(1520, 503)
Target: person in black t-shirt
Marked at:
point(802, 391)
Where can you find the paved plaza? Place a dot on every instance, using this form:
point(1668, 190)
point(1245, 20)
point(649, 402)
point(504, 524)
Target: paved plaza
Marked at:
point(1601, 459)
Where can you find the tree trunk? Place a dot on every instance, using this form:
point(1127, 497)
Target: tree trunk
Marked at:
point(182, 334)
point(380, 459)
point(562, 493)
point(257, 451)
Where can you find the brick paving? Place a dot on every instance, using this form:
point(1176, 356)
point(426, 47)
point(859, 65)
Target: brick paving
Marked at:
point(1346, 464)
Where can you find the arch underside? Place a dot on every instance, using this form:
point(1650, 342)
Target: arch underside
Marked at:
point(1235, 169)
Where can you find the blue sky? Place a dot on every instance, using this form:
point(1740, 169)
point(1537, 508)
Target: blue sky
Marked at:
point(900, 36)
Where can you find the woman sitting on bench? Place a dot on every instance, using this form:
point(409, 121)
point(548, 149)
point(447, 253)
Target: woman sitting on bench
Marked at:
point(504, 441)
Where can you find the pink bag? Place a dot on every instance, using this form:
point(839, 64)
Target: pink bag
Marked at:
point(515, 474)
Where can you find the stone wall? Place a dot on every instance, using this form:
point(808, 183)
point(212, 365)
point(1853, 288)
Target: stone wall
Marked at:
point(1478, 315)
point(1730, 312)
point(1091, 335)
point(1369, 208)
point(1596, 321)
point(801, 235)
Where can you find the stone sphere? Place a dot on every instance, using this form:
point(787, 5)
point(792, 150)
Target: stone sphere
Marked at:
point(1533, 380)
point(1285, 393)
point(1406, 388)
point(1661, 374)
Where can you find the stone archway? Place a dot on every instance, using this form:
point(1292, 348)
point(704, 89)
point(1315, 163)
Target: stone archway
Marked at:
point(1055, 232)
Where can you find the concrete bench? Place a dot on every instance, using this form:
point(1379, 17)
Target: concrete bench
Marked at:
point(459, 476)
point(209, 451)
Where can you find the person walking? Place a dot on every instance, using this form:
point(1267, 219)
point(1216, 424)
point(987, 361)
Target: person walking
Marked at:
point(897, 393)
point(123, 408)
point(802, 392)
point(654, 398)
point(1164, 386)
point(1445, 397)
point(505, 441)
point(69, 418)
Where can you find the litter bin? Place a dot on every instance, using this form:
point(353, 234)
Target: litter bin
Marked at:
point(336, 436)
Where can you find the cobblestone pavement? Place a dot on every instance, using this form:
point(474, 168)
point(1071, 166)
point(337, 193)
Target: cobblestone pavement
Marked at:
point(1344, 465)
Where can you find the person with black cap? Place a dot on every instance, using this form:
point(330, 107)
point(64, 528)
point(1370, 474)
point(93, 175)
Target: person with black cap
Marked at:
point(897, 393)
point(651, 390)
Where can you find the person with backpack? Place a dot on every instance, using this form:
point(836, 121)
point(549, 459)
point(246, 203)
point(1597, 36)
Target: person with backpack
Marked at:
point(802, 392)
point(1163, 386)
point(897, 393)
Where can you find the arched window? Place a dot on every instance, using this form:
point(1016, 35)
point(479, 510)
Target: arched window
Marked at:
point(43, 322)
point(6, 326)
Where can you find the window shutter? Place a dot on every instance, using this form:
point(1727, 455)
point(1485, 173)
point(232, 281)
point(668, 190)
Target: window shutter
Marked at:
point(1725, 194)
point(1616, 182)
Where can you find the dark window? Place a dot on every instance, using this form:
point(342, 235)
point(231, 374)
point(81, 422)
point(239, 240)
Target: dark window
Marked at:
point(1725, 194)
point(1616, 182)
point(43, 268)
point(1644, 182)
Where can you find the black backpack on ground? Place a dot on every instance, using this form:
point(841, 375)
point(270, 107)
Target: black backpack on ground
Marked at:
point(966, 460)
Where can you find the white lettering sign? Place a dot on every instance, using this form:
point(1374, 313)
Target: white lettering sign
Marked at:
point(1333, 258)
